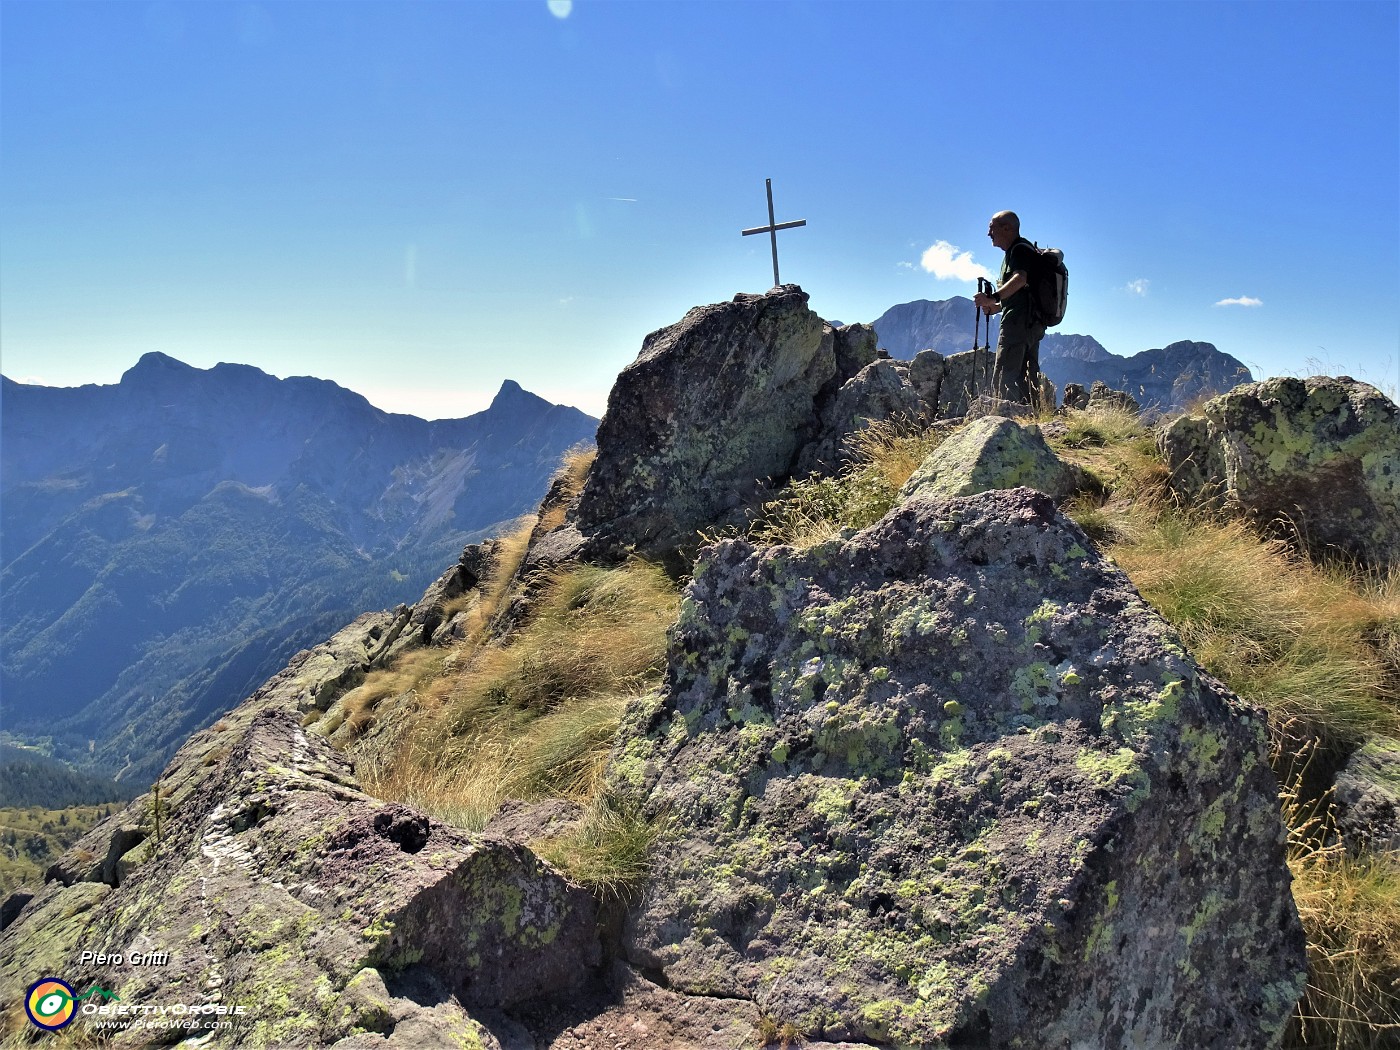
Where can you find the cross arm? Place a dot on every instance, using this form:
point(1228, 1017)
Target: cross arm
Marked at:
point(771, 229)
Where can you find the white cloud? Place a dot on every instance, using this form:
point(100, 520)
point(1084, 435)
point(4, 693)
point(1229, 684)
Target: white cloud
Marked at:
point(1243, 300)
point(947, 263)
point(1138, 287)
point(561, 8)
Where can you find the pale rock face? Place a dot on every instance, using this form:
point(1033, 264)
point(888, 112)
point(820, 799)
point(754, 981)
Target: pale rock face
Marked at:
point(950, 780)
point(992, 452)
point(1316, 459)
point(879, 391)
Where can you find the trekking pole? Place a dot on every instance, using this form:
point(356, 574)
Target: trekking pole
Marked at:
point(976, 330)
point(984, 287)
point(977, 324)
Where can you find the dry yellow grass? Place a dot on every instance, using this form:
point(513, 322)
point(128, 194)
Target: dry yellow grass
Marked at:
point(884, 455)
point(534, 717)
point(405, 673)
point(573, 471)
point(1350, 907)
point(483, 603)
point(1279, 631)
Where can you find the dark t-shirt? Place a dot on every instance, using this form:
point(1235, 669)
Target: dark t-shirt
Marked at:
point(1015, 309)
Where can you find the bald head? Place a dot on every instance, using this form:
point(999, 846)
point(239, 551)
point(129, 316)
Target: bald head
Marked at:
point(1004, 229)
point(1008, 220)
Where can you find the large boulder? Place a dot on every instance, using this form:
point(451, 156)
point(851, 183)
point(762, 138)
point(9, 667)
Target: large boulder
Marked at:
point(1315, 459)
point(712, 408)
point(951, 782)
point(258, 875)
point(993, 452)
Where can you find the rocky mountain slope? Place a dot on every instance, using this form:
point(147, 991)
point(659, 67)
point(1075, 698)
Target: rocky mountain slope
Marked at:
point(1167, 378)
point(943, 781)
point(170, 540)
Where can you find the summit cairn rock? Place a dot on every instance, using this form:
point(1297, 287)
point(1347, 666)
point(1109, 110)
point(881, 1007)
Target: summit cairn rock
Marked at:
point(949, 781)
point(712, 408)
point(1317, 459)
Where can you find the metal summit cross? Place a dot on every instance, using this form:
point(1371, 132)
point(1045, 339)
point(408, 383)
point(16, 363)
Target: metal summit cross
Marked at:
point(772, 229)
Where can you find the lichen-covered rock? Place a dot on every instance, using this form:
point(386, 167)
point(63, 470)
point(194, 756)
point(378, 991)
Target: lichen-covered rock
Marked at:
point(276, 884)
point(1316, 459)
point(992, 452)
point(988, 405)
point(1367, 797)
point(951, 782)
point(712, 407)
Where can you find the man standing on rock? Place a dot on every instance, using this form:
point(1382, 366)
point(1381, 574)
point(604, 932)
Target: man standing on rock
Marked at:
point(1016, 374)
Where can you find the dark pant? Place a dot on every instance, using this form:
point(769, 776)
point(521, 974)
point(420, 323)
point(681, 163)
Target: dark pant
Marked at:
point(1016, 375)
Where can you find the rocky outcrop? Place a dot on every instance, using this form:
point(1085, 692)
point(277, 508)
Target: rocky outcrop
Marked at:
point(1100, 396)
point(947, 385)
point(951, 782)
point(879, 391)
point(946, 781)
point(1317, 460)
point(993, 452)
point(712, 407)
point(264, 878)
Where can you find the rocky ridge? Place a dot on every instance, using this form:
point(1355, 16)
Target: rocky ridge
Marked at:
point(946, 781)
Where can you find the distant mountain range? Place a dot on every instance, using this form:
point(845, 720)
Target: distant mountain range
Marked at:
point(1167, 378)
point(168, 541)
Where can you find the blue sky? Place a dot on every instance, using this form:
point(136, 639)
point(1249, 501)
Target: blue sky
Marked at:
point(421, 199)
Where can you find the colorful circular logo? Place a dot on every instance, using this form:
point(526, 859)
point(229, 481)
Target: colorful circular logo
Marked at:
point(50, 1003)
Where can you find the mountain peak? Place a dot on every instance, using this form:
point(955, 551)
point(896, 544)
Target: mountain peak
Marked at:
point(513, 398)
point(155, 365)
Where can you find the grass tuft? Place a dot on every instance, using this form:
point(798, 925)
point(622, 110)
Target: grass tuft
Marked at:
point(607, 851)
point(884, 455)
point(1350, 907)
point(565, 485)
